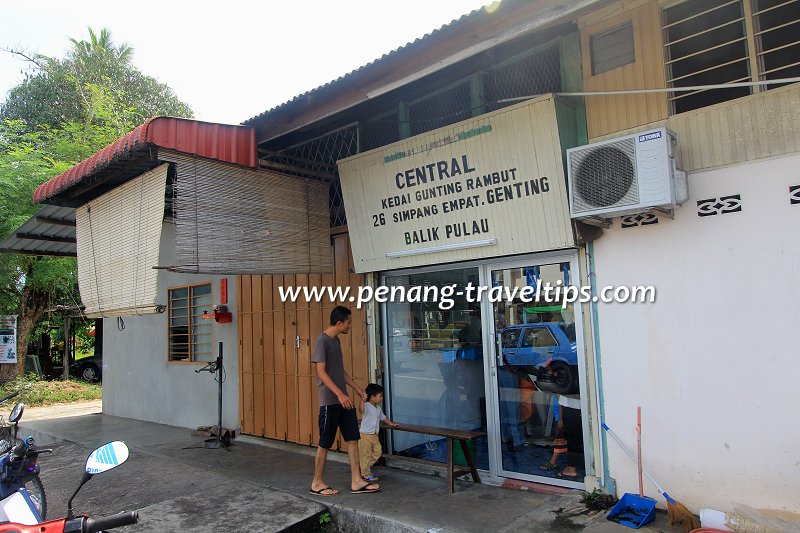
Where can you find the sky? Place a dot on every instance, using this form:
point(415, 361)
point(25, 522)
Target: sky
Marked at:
point(232, 60)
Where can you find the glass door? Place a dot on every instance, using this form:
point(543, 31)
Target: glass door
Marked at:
point(535, 372)
point(435, 363)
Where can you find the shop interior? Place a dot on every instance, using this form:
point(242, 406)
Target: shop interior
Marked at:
point(436, 370)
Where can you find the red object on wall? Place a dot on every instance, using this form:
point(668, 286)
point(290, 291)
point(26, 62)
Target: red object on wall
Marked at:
point(223, 291)
point(219, 314)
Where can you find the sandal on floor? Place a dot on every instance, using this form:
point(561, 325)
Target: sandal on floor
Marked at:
point(562, 475)
point(366, 489)
point(322, 491)
point(548, 467)
point(371, 478)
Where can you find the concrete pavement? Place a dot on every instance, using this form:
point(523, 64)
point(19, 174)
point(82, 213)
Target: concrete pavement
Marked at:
point(61, 410)
point(177, 485)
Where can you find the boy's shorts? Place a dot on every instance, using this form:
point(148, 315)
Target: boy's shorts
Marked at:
point(333, 417)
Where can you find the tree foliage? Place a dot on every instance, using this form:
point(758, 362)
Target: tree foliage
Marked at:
point(94, 72)
point(63, 112)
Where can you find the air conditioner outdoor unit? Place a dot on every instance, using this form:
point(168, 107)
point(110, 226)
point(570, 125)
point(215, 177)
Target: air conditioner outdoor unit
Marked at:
point(626, 175)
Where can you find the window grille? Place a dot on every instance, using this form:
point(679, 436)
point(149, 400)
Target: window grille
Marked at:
point(316, 159)
point(537, 73)
point(706, 42)
point(190, 334)
point(379, 131)
point(442, 109)
point(776, 27)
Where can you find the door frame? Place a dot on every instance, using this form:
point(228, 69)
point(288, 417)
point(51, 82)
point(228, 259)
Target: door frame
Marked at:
point(490, 365)
point(485, 266)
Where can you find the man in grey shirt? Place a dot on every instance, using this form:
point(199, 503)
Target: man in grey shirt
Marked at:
point(336, 410)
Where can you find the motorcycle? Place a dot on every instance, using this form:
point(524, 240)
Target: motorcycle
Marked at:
point(6, 437)
point(18, 468)
point(100, 460)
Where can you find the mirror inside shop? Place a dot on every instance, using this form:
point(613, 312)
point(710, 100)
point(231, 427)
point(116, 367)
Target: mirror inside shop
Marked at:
point(435, 371)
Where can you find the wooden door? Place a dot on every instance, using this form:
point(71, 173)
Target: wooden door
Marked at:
point(278, 389)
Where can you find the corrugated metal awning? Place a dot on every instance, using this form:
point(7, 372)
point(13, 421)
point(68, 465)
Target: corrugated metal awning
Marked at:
point(51, 231)
point(134, 153)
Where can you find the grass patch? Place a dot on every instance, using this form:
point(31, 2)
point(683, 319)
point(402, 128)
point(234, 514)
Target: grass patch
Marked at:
point(598, 500)
point(35, 391)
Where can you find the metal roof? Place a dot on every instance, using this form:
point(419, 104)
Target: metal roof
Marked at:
point(131, 155)
point(392, 53)
point(471, 34)
point(51, 231)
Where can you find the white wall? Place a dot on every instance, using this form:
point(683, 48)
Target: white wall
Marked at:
point(139, 383)
point(714, 363)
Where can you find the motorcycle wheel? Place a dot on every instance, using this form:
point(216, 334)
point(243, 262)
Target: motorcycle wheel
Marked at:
point(36, 489)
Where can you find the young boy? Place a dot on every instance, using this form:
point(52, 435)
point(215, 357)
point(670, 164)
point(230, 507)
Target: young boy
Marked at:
point(369, 447)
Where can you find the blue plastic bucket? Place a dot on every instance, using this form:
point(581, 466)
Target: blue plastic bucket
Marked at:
point(633, 511)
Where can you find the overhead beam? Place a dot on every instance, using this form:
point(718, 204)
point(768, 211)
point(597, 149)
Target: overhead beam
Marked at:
point(56, 221)
point(49, 238)
point(34, 252)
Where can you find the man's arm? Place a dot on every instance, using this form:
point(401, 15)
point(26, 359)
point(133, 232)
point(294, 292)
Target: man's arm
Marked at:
point(326, 380)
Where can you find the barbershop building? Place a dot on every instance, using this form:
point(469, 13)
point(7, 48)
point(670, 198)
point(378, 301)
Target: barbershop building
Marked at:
point(577, 145)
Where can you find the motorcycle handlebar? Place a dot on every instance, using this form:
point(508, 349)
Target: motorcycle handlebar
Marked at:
point(19, 450)
point(6, 398)
point(95, 525)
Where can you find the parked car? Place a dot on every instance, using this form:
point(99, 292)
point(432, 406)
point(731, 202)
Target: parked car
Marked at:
point(89, 368)
point(546, 351)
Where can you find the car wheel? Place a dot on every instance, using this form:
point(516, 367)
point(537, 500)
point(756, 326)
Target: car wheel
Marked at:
point(90, 372)
point(564, 380)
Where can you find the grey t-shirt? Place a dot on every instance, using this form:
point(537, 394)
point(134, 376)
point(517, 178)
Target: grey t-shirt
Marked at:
point(328, 350)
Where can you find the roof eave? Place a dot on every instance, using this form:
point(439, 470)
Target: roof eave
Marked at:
point(401, 67)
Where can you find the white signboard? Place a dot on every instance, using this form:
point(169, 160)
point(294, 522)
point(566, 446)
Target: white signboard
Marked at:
point(486, 187)
point(8, 338)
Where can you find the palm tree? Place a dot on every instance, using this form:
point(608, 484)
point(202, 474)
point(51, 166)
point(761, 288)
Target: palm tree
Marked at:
point(99, 46)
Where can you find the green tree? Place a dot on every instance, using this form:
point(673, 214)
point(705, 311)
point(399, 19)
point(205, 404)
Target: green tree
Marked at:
point(63, 112)
point(28, 284)
point(93, 71)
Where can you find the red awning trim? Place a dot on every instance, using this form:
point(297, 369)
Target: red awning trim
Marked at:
point(223, 142)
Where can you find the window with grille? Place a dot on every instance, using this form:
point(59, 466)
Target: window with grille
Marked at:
point(316, 159)
point(379, 132)
point(612, 49)
point(441, 109)
point(189, 334)
point(537, 73)
point(776, 27)
point(706, 43)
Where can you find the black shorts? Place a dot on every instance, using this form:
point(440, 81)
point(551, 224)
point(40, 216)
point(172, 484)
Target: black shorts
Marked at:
point(333, 417)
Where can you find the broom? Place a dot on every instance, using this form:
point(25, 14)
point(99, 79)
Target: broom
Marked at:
point(677, 513)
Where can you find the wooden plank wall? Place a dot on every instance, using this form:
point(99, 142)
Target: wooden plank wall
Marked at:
point(278, 391)
point(764, 124)
point(609, 114)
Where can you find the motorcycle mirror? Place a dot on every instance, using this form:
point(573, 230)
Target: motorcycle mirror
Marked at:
point(16, 413)
point(106, 457)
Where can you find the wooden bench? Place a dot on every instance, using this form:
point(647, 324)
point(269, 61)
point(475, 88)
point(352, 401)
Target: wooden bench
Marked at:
point(462, 436)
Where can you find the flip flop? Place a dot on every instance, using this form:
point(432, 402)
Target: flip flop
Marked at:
point(321, 492)
point(548, 467)
point(365, 489)
point(562, 475)
point(371, 478)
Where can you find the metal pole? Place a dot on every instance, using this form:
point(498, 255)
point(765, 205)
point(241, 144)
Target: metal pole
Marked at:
point(65, 357)
point(219, 381)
